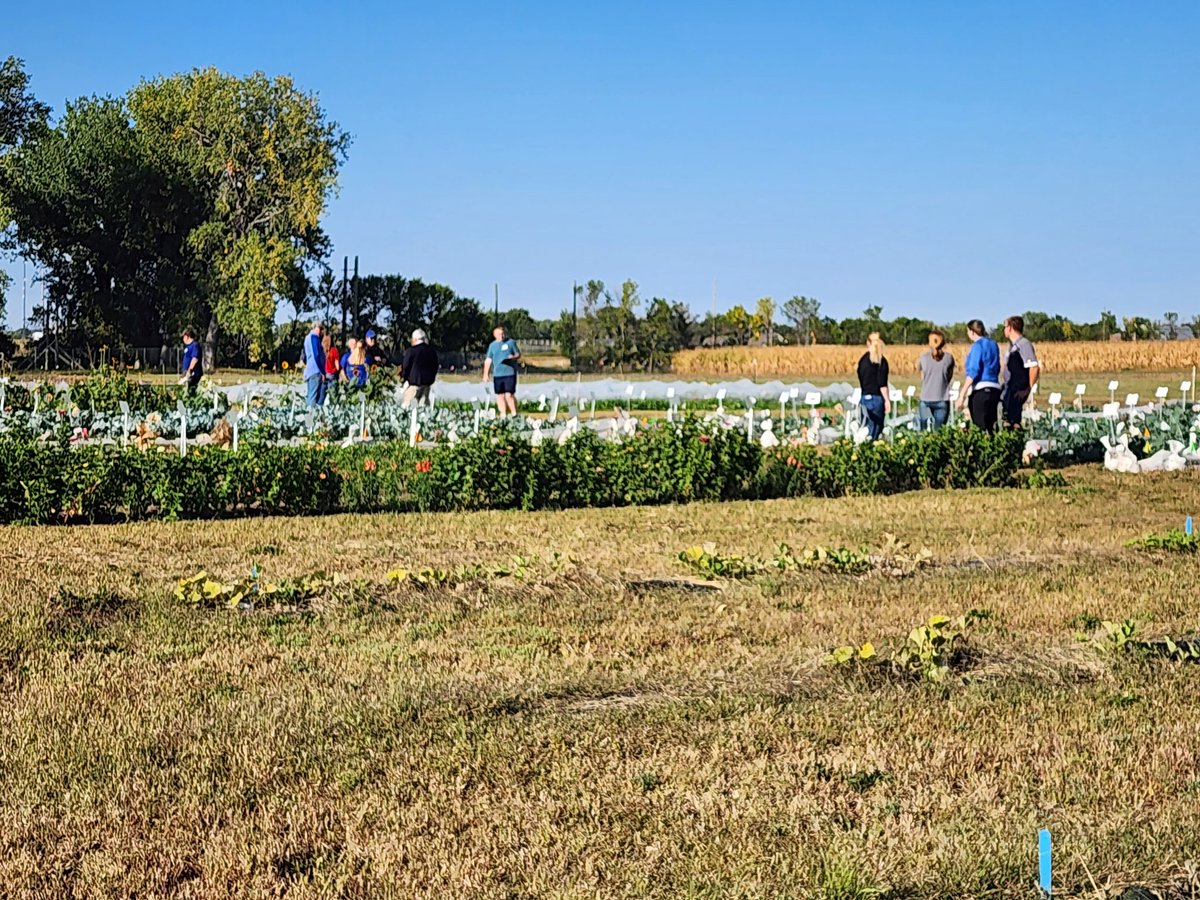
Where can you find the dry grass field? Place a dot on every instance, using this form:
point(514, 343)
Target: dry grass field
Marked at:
point(823, 360)
point(609, 727)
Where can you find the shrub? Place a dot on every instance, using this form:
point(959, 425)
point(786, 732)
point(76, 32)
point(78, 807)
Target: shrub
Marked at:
point(682, 463)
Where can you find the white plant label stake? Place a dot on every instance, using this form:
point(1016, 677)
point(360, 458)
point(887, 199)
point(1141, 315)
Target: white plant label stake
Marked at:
point(554, 408)
point(124, 424)
point(233, 421)
point(183, 425)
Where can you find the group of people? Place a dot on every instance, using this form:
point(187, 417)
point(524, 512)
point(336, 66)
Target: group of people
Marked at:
point(988, 388)
point(323, 363)
point(418, 366)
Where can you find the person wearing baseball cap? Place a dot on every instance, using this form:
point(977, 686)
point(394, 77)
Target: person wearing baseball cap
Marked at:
point(375, 354)
point(419, 369)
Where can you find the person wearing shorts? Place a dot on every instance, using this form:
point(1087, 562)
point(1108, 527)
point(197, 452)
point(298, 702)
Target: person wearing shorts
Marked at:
point(501, 364)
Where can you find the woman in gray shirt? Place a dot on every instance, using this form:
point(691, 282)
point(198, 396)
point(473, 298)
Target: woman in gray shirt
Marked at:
point(937, 371)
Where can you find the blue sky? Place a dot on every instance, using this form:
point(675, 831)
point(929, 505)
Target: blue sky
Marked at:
point(941, 159)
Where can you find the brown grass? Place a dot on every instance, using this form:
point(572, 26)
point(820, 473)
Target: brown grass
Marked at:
point(607, 730)
point(827, 361)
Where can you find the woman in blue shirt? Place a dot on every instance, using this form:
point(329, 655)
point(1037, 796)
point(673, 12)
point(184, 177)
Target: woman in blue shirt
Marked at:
point(983, 378)
point(354, 363)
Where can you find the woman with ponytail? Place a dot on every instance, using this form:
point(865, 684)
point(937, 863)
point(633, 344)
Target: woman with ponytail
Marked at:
point(937, 371)
point(873, 382)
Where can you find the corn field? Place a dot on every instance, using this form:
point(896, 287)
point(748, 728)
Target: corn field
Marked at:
point(836, 361)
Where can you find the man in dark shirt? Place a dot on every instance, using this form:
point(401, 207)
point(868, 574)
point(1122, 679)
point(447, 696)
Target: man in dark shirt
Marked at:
point(192, 366)
point(1021, 371)
point(419, 369)
point(375, 354)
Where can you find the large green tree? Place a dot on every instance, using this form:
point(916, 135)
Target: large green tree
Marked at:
point(268, 159)
point(20, 115)
point(109, 225)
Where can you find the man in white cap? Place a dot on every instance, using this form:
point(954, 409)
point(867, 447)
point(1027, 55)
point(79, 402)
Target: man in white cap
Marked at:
point(419, 369)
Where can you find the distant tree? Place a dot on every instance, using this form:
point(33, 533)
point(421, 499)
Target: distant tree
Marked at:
point(1138, 328)
point(764, 315)
point(1171, 325)
point(740, 324)
point(520, 324)
point(619, 322)
point(589, 341)
point(665, 330)
point(1108, 325)
point(1194, 324)
point(803, 313)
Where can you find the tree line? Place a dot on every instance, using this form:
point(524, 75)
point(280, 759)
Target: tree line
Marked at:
point(197, 199)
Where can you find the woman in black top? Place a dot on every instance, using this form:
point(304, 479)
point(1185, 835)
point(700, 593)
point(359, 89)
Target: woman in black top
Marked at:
point(873, 382)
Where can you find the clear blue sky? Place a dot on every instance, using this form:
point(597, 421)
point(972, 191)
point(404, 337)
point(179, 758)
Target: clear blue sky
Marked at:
point(942, 159)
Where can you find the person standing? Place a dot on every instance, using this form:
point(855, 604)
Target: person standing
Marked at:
point(873, 377)
point(937, 371)
point(419, 368)
point(1021, 371)
point(354, 363)
point(983, 378)
point(501, 362)
point(375, 354)
point(333, 360)
point(192, 366)
point(314, 365)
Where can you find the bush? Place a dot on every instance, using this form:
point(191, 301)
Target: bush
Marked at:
point(52, 482)
point(947, 458)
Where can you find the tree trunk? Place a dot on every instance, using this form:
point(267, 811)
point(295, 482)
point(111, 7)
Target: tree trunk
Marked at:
point(210, 343)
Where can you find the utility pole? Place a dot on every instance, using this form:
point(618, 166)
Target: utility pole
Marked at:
point(345, 287)
point(714, 313)
point(574, 324)
point(496, 313)
point(24, 288)
point(354, 290)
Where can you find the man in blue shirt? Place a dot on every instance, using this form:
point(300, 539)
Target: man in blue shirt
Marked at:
point(314, 366)
point(501, 362)
point(193, 368)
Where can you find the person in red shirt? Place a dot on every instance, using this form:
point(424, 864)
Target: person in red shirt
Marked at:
point(333, 358)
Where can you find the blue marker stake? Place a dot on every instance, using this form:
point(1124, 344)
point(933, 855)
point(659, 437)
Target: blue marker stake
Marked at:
point(1044, 861)
point(1187, 526)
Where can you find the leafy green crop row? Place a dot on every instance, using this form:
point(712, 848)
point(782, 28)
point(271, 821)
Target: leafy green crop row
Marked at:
point(51, 482)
